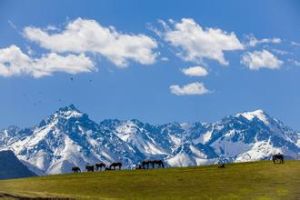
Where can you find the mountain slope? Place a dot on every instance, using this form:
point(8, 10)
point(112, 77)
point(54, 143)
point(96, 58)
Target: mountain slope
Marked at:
point(69, 137)
point(11, 167)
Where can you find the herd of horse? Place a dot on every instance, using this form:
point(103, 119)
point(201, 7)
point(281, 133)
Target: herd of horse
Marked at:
point(146, 164)
point(152, 164)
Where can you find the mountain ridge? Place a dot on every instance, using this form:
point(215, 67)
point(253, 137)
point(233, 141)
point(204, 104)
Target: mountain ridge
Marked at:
point(69, 137)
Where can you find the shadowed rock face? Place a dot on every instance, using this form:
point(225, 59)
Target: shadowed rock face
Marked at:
point(11, 167)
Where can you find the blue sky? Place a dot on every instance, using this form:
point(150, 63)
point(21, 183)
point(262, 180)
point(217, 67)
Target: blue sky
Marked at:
point(157, 61)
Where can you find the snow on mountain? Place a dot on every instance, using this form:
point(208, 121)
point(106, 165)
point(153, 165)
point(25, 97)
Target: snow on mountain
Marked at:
point(259, 114)
point(189, 154)
point(253, 136)
point(137, 135)
point(68, 138)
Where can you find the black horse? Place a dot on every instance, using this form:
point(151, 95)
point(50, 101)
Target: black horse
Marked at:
point(100, 165)
point(221, 164)
point(76, 169)
point(278, 158)
point(139, 166)
point(90, 168)
point(115, 165)
point(153, 163)
point(159, 163)
point(145, 164)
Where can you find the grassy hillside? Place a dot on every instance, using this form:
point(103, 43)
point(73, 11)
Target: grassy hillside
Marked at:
point(258, 180)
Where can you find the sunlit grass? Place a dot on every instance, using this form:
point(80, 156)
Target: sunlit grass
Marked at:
point(257, 181)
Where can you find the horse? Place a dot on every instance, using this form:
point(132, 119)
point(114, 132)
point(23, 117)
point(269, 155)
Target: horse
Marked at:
point(160, 163)
point(90, 168)
point(114, 165)
point(145, 164)
point(278, 158)
point(222, 161)
point(76, 169)
point(100, 165)
point(221, 164)
point(139, 166)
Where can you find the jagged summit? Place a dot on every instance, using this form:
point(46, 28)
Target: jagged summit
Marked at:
point(70, 107)
point(259, 114)
point(68, 112)
point(63, 114)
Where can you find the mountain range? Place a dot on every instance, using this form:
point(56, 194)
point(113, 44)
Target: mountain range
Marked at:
point(70, 138)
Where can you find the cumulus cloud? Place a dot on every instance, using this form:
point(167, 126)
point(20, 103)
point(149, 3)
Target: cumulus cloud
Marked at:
point(195, 88)
point(82, 35)
point(196, 43)
point(13, 62)
point(195, 71)
point(253, 41)
point(261, 59)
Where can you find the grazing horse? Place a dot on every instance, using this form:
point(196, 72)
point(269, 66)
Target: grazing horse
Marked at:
point(115, 165)
point(221, 164)
point(100, 165)
point(139, 166)
point(278, 158)
point(76, 169)
point(90, 168)
point(159, 163)
point(145, 164)
point(153, 163)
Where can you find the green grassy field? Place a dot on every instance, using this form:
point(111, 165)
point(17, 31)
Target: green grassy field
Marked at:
point(257, 180)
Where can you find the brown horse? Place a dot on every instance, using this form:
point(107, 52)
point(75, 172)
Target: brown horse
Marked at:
point(90, 168)
point(115, 165)
point(76, 169)
point(100, 165)
point(278, 158)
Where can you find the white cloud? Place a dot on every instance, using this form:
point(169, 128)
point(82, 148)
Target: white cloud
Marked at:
point(13, 62)
point(253, 41)
point(294, 62)
point(261, 59)
point(196, 43)
point(195, 71)
point(81, 35)
point(280, 52)
point(295, 43)
point(195, 88)
point(164, 59)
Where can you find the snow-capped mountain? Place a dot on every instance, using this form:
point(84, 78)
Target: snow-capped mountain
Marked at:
point(69, 137)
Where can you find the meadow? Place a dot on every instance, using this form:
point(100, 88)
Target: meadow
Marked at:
point(245, 181)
